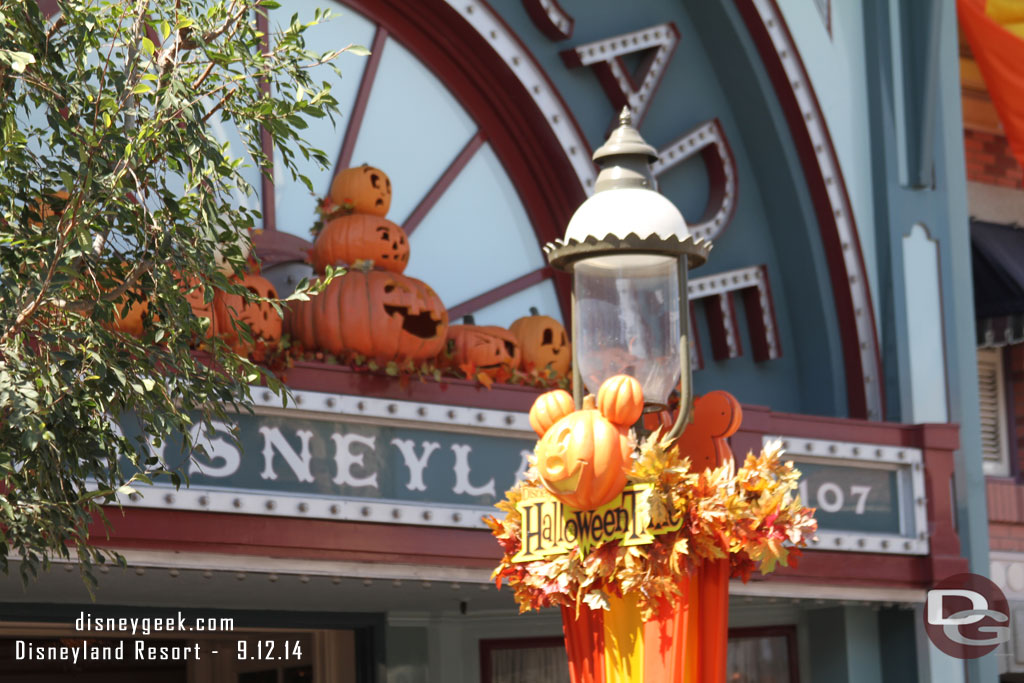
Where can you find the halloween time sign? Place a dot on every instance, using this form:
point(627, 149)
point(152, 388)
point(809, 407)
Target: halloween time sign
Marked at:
point(549, 527)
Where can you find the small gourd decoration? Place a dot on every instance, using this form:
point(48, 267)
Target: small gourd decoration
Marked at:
point(381, 315)
point(363, 189)
point(262, 318)
point(360, 237)
point(544, 343)
point(583, 458)
point(487, 348)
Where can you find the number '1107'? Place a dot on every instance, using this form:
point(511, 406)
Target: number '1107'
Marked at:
point(830, 497)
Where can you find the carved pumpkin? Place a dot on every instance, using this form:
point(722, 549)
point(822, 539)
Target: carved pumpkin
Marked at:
point(130, 317)
point(621, 400)
point(363, 189)
point(378, 314)
point(544, 343)
point(487, 347)
point(549, 408)
point(195, 295)
point(361, 237)
point(263, 320)
point(582, 460)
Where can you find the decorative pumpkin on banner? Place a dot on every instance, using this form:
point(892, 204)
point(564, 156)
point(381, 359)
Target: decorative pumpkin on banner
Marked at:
point(262, 318)
point(544, 343)
point(487, 348)
point(582, 459)
point(549, 408)
point(382, 315)
point(360, 237)
point(363, 189)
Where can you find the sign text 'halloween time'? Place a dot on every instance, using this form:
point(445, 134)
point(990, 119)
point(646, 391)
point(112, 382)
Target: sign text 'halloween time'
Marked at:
point(550, 527)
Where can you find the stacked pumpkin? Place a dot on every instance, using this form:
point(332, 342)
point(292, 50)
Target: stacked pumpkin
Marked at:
point(373, 309)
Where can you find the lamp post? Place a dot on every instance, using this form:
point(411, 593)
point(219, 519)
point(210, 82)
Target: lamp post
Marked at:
point(629, 251)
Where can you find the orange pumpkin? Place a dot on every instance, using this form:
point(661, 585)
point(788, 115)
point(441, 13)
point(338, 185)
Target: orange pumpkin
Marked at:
point(544, 343)
point(621, 400)
point(44, 208)
point(378, 314)
point(582, 460)
point(263, 320)
point(361, 237)
point(487, 348)
point(363, 189)
point(195, 295)
point(549, 408)
point(130, 317)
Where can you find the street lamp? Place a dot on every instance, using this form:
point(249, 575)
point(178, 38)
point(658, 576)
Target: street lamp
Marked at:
point(629, 250)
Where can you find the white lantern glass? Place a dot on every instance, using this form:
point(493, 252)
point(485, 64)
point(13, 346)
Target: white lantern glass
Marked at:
point(627, 321)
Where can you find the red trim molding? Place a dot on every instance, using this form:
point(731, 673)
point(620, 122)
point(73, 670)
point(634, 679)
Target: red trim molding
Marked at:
point(850, 288)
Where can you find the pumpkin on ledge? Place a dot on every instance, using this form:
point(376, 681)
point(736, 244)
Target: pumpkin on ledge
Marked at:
point(378, 314)
point(485, 348)
point(544, 344)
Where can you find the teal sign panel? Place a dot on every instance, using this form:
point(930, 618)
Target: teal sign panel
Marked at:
point(293, 455)
point(850, 498)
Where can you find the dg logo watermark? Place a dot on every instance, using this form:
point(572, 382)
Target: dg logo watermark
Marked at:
point(967, 616)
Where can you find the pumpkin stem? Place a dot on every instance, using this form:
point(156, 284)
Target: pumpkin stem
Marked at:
point(534, 311)
point(469, 320)
point(589, 402)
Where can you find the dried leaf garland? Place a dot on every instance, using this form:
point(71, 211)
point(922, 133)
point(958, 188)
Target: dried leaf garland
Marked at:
point(750, 515)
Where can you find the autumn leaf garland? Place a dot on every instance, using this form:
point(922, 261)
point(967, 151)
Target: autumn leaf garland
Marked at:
point(751, 516)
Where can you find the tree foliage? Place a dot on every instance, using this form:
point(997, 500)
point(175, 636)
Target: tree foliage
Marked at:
point(115, 188)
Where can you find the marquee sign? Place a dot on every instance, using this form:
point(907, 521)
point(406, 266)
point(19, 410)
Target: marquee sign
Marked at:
point(332, 456)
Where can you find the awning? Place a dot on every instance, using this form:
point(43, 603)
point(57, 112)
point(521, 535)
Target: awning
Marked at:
point(997, 257)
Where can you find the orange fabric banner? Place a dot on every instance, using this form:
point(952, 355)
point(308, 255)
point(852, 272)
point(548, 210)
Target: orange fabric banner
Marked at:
point(584, 643)
point(995, 32)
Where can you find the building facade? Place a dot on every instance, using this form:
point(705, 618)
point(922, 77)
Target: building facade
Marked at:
point(819, 145)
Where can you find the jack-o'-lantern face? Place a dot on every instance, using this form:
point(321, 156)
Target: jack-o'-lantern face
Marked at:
point(377, 314)
point(261, 317)
point(361, 237)
point(363, 189)
point(544, 343)
point(582, 460)
point(487, 347)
